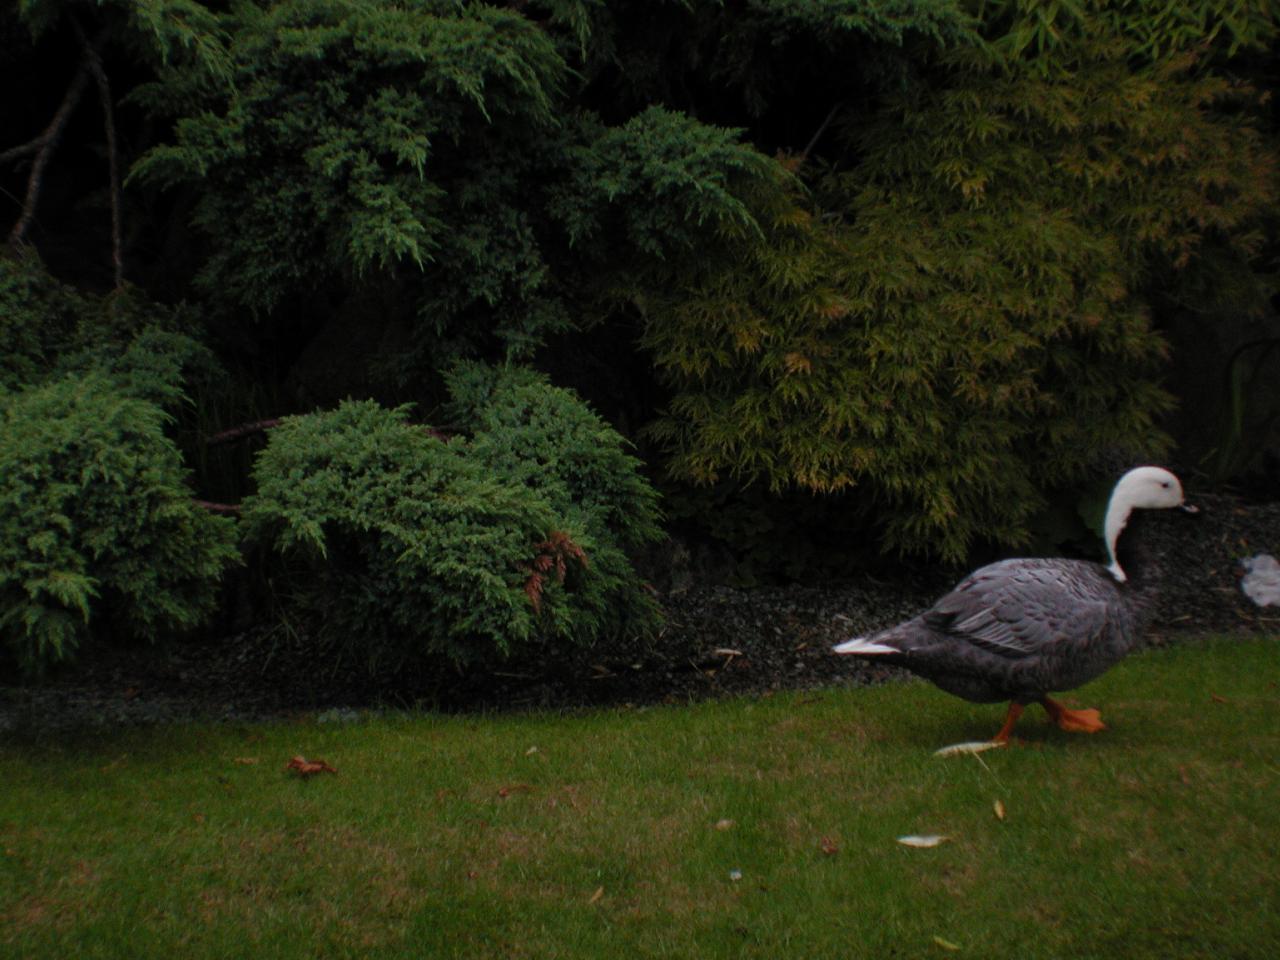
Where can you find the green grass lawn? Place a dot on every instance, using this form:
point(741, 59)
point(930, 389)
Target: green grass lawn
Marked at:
point(593, 834)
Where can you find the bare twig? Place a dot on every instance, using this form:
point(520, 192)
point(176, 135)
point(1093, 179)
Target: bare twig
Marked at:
point(22, 149)
point(813, 141)
point(44, 145)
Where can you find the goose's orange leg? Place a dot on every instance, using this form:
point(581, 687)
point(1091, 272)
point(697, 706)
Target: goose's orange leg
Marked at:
point(1073, 721)
point(1010, 718)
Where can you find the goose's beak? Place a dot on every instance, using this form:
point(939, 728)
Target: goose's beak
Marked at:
point(1188, 508)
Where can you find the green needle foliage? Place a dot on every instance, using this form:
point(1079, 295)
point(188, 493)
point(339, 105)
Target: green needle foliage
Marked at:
point(38, 318)
point(52, 330)
point(968, 323)
point(534, 436)
point(98, 530)
point(362, 141)
point(927, 254)
point(97, 521)
point(408, 546)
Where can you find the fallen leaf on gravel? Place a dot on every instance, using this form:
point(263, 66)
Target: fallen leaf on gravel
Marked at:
point(946, 944)
point(828, 846)
point(597, 895)
point(726, 652)
point(998, 807)
point(973, 746)
point(307, 768)
point(922, 840)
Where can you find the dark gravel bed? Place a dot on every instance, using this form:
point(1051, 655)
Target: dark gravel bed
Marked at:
point(718, 641)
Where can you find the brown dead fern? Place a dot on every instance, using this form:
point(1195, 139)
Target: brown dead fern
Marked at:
point(552, 559)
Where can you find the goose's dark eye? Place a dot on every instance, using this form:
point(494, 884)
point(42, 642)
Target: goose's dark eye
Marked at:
point(1165, 484)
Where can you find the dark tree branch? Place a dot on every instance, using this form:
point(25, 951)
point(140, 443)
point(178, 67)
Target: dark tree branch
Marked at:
point(94, 62)
point(217, 507)
point(16, 153)
point(243, 430)
point(813, 141)
point(44, 145)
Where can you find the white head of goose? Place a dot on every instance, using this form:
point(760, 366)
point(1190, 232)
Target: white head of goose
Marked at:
point(1019, 629)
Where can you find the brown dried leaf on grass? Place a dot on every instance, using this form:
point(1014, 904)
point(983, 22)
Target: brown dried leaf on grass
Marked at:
point(998, 807)
point(308, 768)
point(829, 846)
point(507, 791)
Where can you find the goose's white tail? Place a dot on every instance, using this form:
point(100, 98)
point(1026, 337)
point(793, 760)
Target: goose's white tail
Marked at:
point(863, 646)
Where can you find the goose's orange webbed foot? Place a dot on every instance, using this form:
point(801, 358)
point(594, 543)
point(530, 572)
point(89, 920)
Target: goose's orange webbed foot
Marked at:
point(1074, 721)
point(1010, 718)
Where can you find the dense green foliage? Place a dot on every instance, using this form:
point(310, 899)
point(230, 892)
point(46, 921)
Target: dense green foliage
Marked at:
point(975, 325)
point(96, 520)
point(537, 437)
point(99, 527)
point(38, 317)
point(406, 544)
point(54, 330)
point(356, 137)
point(929, 255)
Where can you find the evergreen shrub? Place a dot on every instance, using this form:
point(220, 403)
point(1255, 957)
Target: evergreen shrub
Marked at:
point(365, 144)
point(37, 317)
point(51, 329)
point(967, 323)
point(405, 545)
point(97, 523)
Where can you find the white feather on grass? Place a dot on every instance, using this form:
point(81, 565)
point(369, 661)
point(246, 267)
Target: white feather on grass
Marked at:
point(861, 645)
point(971, 746)
point(923, 840)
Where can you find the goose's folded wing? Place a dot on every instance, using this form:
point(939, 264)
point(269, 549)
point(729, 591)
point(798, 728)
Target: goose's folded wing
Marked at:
point(1020, 612)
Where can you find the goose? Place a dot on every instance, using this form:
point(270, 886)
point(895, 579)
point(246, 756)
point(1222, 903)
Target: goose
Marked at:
point(1019, 629)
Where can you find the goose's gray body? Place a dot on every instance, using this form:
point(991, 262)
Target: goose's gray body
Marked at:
point(1017, 630)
